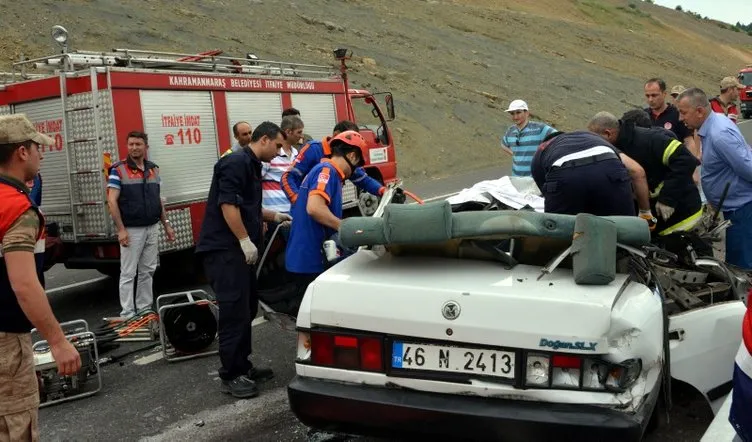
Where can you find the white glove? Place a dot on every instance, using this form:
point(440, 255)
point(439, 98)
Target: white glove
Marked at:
point(647, 215)
point(282, 218)
point(249, 250)
point(664, 211)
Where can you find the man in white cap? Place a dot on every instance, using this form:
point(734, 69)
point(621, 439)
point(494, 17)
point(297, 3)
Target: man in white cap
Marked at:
point(725, 102)
point(522, 139)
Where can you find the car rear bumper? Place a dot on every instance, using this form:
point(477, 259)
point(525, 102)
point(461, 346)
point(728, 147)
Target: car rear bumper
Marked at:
point(385, 412)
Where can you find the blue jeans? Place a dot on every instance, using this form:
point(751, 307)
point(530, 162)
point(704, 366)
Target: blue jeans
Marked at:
point(739, 237)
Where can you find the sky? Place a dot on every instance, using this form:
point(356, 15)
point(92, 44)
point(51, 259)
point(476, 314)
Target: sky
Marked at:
point(730, 11)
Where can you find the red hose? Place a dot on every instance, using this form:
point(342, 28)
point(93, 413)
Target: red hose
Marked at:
point(413, 196)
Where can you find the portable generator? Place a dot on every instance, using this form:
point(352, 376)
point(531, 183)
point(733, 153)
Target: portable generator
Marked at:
point(187, 325)
point(54, 388)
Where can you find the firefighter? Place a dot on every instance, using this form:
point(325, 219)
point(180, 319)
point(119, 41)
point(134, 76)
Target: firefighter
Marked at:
point(668, 166)
point(312, 153)
point(578, 172)
point(319, 214)
point(23, 303)
point(229, 242)
point(665, 115)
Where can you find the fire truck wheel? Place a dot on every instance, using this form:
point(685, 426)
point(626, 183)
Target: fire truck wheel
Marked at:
point(747, 115)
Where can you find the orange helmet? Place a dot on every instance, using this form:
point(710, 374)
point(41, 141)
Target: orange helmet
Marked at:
point(350, 137)
point(349, 141)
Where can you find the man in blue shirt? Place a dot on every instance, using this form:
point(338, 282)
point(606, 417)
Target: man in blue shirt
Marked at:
point(726, 159)
point(523, 138)
point(311, 154)
point(318, 212)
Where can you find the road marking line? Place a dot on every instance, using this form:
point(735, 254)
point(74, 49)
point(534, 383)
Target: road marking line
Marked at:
point(149, 359)
point(745, 121)
point(76, 284)
point(435, 198)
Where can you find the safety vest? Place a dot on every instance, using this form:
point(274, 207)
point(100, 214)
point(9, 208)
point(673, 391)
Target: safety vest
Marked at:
point(139, 201)
point(16, 201)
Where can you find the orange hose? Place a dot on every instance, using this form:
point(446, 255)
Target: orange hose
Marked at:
point(413, 196)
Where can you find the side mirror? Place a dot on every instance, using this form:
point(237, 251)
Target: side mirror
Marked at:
point(389, 106)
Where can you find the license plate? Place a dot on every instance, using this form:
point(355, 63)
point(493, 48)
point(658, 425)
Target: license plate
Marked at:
point(450, 359)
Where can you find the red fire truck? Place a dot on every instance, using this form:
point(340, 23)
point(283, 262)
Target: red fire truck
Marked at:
point(745, 96)
point(187, 104)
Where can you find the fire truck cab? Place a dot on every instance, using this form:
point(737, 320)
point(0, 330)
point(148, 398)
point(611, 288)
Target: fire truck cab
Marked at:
point(187, 104)
point(745, 95)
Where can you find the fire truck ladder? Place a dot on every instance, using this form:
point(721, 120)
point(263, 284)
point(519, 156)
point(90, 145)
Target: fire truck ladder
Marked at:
point(88, 195)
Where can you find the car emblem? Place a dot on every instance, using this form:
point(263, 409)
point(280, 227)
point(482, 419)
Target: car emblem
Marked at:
point(450, 310)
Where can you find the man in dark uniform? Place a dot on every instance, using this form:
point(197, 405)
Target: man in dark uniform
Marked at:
point(668, 165)
point(579, 172)
point(230, 238)
point(666, 115)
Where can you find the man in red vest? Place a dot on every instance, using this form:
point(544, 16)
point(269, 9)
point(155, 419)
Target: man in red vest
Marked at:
point(23, 303)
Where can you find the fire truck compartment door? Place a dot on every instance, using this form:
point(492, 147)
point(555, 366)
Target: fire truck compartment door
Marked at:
point(253, 107)
point(317, 112)
point(182, 141)
point(47, 116)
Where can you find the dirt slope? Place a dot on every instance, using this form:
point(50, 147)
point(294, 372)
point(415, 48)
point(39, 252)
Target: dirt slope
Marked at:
point(452, 65)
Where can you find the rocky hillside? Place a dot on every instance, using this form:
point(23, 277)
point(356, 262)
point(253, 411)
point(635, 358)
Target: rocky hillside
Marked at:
point(453, 66)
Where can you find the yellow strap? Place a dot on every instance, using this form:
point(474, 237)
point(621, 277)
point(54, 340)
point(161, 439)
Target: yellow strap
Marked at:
point(657, 191)
point(670, 149)
point(684, 225)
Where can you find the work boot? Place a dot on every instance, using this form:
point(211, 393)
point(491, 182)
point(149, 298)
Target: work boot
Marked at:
point(260, 374)
point(241, 387)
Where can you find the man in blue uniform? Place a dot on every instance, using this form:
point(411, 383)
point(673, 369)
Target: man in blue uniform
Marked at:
point(311, 154)
point(318, 212)
point(230, 238)
point(580, 172)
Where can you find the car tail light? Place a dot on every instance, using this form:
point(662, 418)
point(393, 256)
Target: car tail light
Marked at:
point(537, 371)
point(351, 352)
point(566, 371)
point(573, 371)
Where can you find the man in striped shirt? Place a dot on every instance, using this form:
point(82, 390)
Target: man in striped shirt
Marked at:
point(274, 197)
point(523, 138)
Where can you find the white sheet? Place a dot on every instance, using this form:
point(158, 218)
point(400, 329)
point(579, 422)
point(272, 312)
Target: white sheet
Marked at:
point(515, 192)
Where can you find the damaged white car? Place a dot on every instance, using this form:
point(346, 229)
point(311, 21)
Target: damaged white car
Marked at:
point(489, 323)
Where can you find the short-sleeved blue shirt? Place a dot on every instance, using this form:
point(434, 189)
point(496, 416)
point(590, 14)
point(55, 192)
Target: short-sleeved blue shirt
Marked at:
point(304, 247)
point(524, 143)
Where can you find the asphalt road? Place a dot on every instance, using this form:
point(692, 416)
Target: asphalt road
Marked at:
point(144, 397)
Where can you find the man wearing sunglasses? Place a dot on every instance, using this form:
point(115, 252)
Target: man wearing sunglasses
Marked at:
point(522, 139)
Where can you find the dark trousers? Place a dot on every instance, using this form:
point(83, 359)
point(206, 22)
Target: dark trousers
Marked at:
point(602, 189)
point(739, 237)
point(234, 283)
